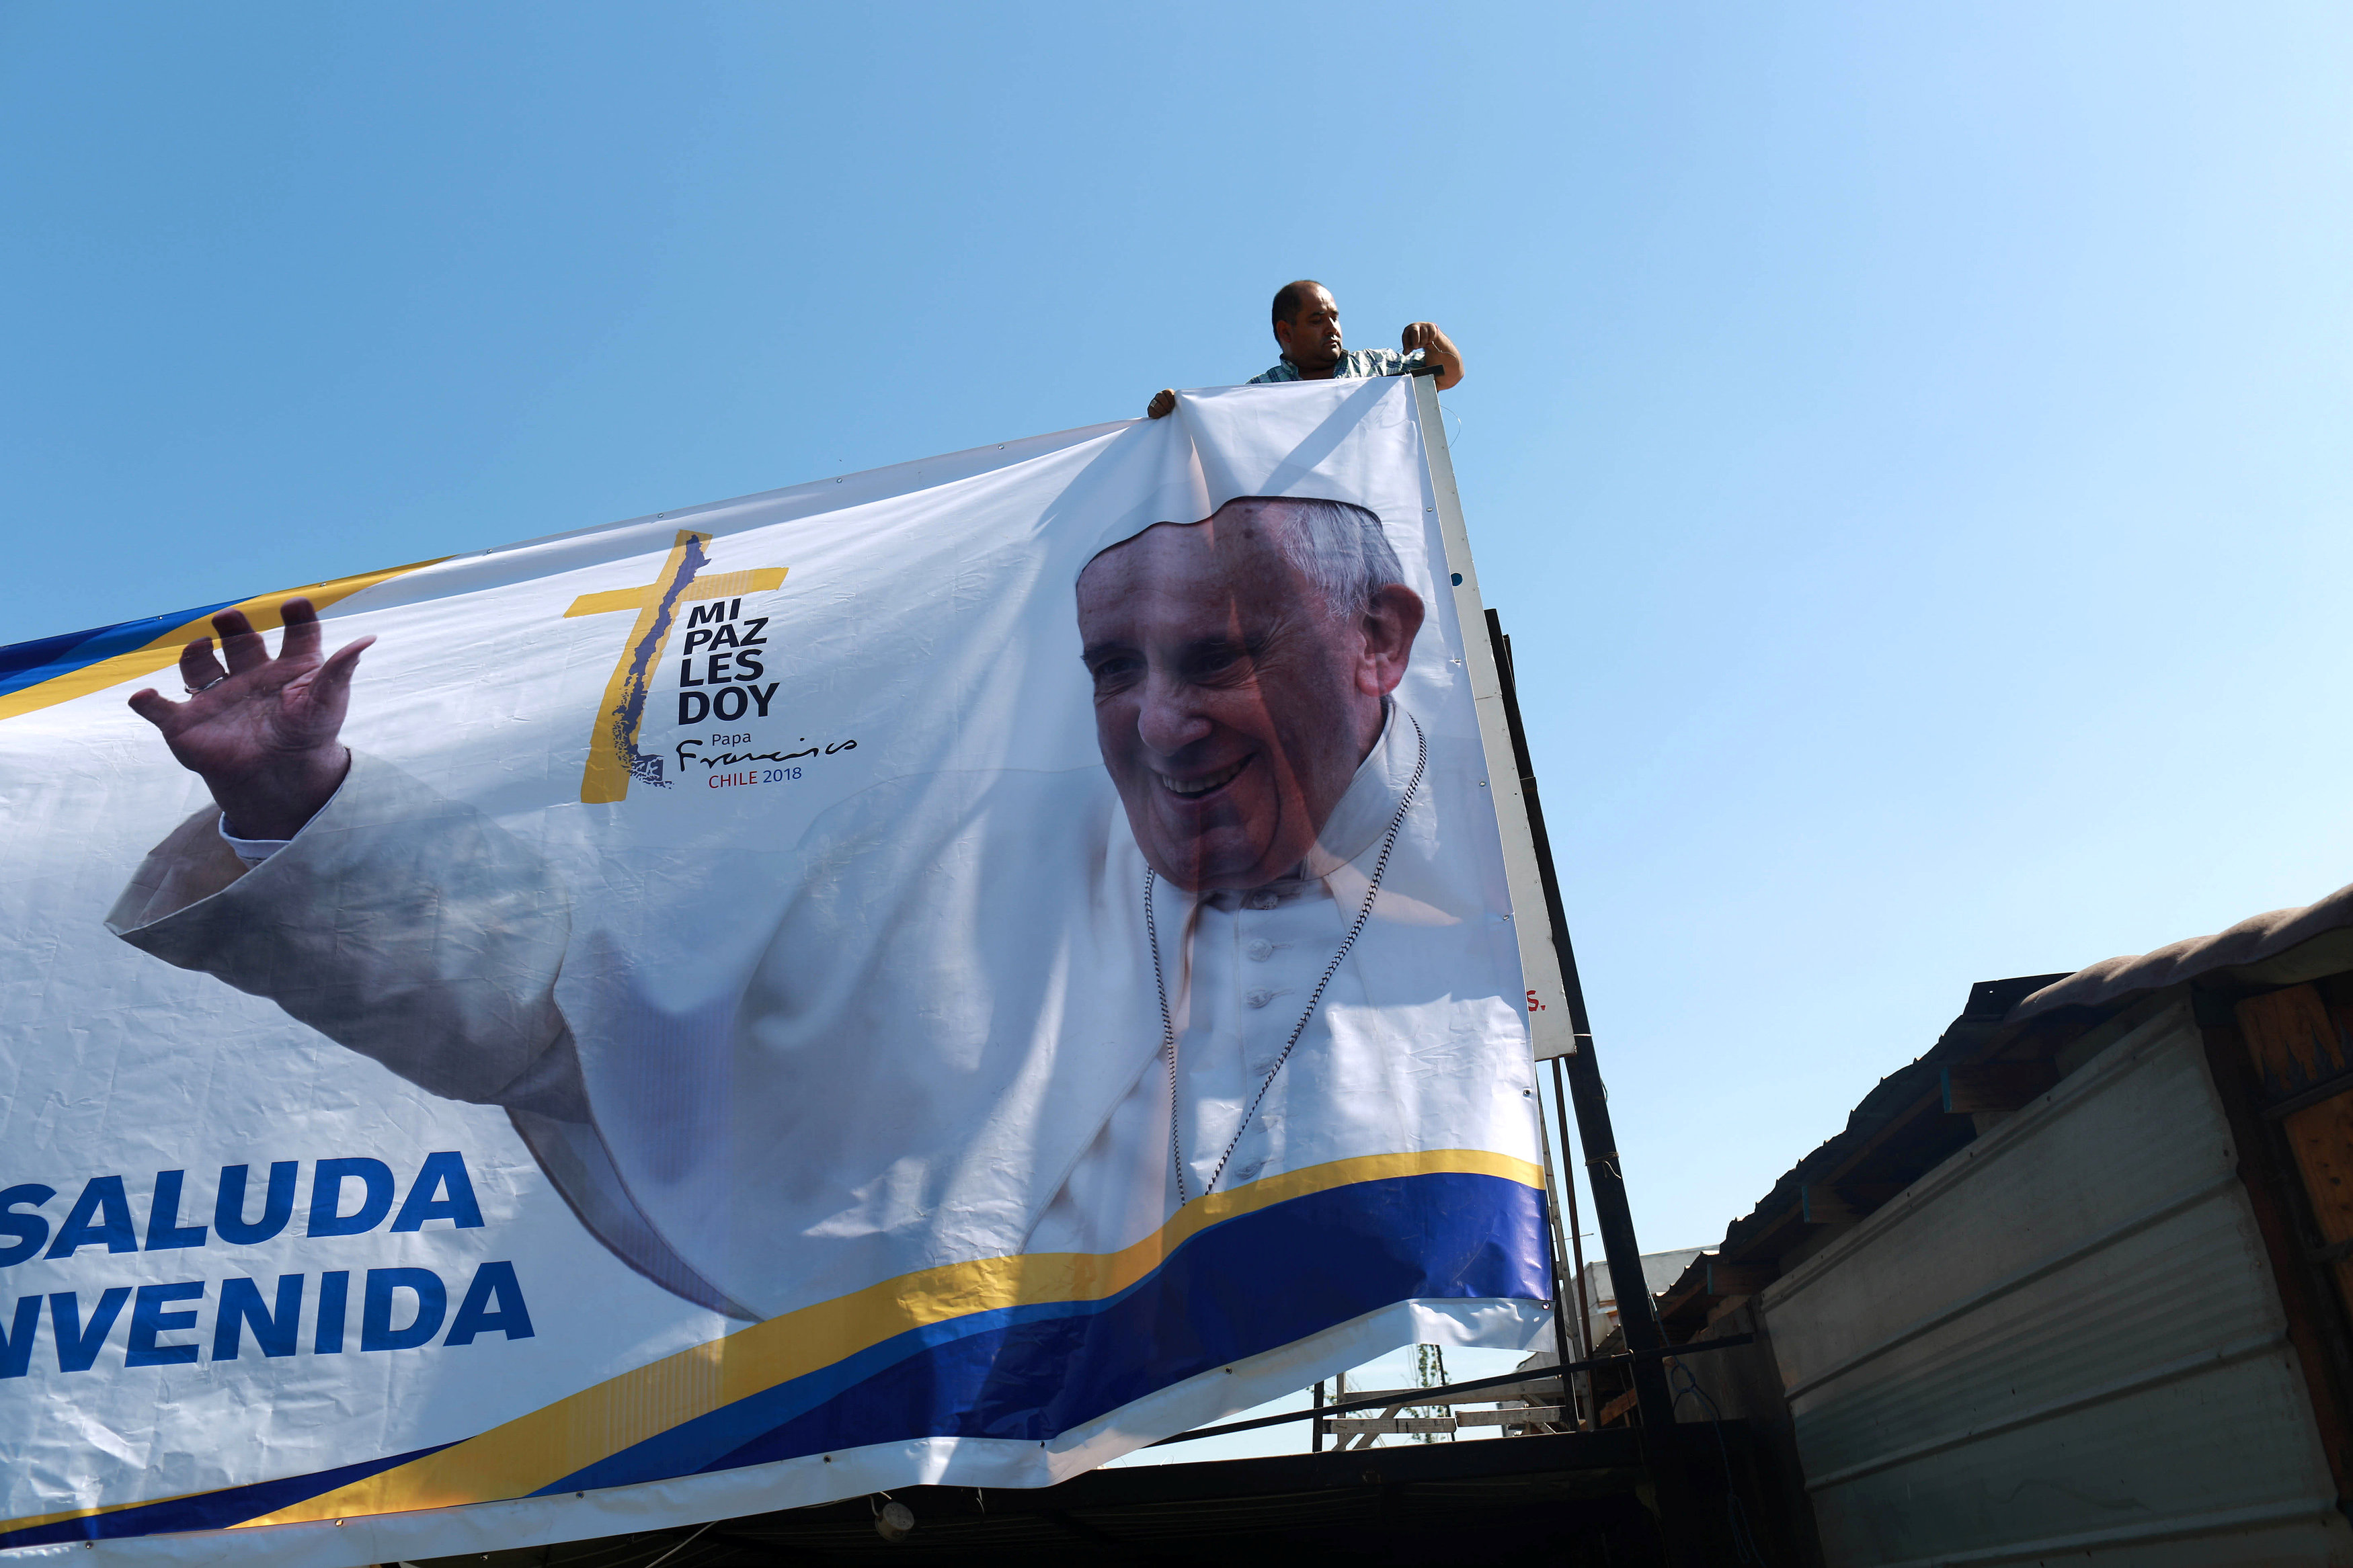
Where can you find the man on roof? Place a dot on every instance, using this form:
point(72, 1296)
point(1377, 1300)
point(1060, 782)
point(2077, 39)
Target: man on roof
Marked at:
point(1307, 329)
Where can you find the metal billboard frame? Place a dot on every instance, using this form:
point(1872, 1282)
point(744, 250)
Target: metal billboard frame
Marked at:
point(1548, 963)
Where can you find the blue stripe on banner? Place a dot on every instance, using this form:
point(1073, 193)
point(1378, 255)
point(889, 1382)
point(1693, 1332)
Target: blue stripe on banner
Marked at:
point(1251, 1285)
point(701, 1443)
point(27, 664)
point(205, 1510)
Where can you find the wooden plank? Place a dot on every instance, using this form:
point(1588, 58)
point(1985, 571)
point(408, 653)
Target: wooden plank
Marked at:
point(1617, 1407)
point(1521, 1418)
point(2313, 1321)
point(1738, 1279)
point(1785, 1227)
point(1996, 1086)
point(1544, 1388)
point(1819, 1203)
point(1377, 1427)
point(1842, 1203)
point(2322, 1138)
point(1685, 1292)
point(2292, 1040)
point(1365, 1440)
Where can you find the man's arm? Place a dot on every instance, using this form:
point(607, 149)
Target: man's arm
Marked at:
point(1437, 348)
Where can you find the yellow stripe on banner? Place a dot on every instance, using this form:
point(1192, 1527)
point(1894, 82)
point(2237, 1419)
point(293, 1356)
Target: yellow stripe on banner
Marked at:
point(518, 1458)
point(725, 586)
point(164, 652)
point(35, 1520)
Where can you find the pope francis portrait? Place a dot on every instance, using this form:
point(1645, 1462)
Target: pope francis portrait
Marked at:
point(978, 1015)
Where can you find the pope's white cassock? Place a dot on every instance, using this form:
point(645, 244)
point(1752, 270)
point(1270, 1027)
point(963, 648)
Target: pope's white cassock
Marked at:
point(934, 1036)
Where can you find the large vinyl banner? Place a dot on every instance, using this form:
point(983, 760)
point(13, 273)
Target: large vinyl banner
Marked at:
point(945, 975)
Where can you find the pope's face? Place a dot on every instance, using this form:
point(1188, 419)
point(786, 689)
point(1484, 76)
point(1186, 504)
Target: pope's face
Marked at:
point(1231, 709)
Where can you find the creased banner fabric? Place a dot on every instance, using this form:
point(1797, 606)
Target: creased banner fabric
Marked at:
point(947, 974)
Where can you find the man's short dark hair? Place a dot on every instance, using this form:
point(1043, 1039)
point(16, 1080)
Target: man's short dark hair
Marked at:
point(1291, 298)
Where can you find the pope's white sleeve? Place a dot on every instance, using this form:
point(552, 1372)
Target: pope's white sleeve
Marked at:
point(400, 923)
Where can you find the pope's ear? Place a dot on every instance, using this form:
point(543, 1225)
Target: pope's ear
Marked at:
point(1392, 621)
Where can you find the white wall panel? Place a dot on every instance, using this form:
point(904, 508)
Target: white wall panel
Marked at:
point(2063, 1342)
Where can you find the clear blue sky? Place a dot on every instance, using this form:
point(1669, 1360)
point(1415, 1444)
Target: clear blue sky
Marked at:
point(1911, 446)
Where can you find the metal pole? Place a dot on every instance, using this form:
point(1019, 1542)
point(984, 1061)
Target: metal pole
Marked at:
point(1576, 1241)
point(1549, 969)
point(1472, 1391)
point(1637, 1312)
point(1561, 1344)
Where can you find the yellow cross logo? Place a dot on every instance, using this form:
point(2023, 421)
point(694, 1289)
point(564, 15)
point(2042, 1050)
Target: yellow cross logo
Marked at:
point(613, 756)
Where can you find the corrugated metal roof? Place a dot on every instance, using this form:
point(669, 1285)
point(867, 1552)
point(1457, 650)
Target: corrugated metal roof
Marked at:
point(1899, 1131)
point(2019, 1048)
point(2288, 945)
point(2065, 1342)
point(1902, 1128)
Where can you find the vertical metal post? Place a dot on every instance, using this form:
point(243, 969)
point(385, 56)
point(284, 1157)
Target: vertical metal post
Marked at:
point(1576, 1242)
point(1638, 1313)
point(1564, 1346)
point(1315, 1427)
point(1558, 1028)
